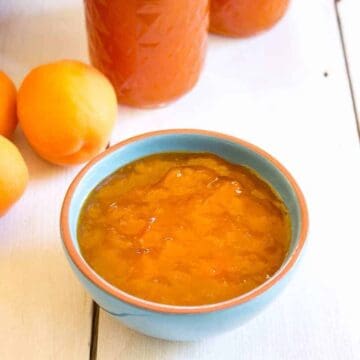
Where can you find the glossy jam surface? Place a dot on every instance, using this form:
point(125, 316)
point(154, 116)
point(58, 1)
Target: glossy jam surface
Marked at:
point(152, 51)
point(184, 229)
point(241, 18)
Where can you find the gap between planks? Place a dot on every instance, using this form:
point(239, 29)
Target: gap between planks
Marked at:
point(94, 331)
point(347, 67)
point(95, 307)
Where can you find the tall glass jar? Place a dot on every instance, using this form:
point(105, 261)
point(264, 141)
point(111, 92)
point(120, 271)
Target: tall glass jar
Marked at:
point(241, 18)
point(151, 50)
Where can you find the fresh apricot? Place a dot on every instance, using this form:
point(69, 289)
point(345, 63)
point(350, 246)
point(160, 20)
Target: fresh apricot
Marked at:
point(13, 174)
point(67, 110)
point(8, 119)
point(241, 18)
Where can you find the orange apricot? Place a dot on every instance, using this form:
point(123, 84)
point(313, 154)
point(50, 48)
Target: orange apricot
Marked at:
point(13, 174)
point(8, 119)
point(67, 110)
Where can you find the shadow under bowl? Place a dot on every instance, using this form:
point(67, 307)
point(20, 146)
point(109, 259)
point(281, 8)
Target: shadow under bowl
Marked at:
point(182, 323)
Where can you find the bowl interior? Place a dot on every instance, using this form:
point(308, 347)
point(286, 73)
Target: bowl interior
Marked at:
point(190, 142)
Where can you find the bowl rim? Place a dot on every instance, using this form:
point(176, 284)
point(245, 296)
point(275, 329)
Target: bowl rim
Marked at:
point(101, 283)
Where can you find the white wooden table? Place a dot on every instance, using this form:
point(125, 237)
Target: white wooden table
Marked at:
point(293, 91)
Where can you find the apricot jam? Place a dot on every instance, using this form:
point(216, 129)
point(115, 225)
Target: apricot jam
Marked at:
point(241, 18)
point(152, 51)
point(184, 229)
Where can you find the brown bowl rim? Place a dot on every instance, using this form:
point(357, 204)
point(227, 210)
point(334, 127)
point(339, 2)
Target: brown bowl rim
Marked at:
point(93, 277)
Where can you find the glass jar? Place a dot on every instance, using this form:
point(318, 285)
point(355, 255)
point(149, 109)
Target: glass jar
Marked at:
point(152, 51)
point(241, 18)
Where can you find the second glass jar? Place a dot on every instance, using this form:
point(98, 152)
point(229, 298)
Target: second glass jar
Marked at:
point(242, 18)
point(152, 51)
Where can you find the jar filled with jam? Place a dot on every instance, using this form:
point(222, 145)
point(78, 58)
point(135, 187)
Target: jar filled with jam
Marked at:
point(242, 18)
point(152, 51)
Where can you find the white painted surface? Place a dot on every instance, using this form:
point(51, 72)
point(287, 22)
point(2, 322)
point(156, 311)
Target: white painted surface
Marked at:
point(269, 90)
point(44, 312)
point(349, 11)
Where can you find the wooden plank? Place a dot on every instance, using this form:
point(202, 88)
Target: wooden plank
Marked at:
point(272, 90)
point(44, 312)
point(349, 11)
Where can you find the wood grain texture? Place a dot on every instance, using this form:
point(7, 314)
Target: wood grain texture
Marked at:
point(44, 312)
point(272, 90)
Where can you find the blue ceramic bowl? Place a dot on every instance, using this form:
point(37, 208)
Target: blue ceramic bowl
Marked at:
point(181, 322)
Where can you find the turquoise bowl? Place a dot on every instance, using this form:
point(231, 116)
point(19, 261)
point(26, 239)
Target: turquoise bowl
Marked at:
point(184, 323)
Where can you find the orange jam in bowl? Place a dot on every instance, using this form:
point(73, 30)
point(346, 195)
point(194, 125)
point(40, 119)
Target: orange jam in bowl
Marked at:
point(241, 18)
point(152, 51)
point(184, 229)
